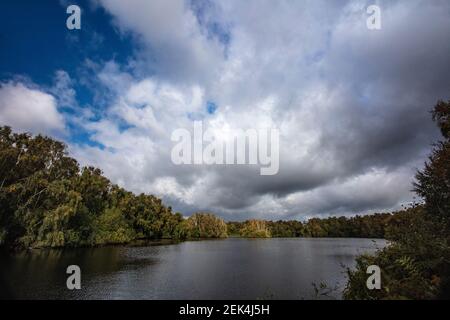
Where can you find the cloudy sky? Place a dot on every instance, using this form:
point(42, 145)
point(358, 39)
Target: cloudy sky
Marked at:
point(351, 104)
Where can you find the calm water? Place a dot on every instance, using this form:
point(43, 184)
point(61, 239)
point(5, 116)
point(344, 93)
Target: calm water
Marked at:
point(216, 269)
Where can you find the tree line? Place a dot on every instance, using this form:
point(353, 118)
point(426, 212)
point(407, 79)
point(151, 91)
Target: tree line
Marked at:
point(368, 226)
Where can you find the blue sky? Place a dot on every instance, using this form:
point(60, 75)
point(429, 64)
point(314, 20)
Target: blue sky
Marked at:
point(35, 31)
point(351, 104)
point(37, 44)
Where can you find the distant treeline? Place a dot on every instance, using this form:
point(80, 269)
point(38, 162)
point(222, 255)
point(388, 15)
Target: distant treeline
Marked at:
point(370, 226)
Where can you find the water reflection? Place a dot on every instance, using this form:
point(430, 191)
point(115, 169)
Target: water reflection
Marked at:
point(215, 269)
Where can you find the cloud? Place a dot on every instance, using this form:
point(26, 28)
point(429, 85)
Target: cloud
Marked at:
point(25, 108)
point(63, 90)
point(175, 45)
point(373, 191)
point(352, 105)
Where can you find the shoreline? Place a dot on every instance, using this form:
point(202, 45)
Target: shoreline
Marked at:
point(162, 242)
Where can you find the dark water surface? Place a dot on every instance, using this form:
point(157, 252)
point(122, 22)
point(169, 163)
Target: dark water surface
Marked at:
point(213, 269)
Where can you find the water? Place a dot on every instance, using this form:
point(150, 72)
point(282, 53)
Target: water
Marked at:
point(214, 269)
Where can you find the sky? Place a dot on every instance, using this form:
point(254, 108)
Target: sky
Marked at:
point(352, 105)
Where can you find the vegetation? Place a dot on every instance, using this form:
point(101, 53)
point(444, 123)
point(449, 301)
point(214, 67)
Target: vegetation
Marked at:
point(204, 225)
point(417, 264)
point(370, 226)
point(286, 229)
point(47, 200)
point(255, 229)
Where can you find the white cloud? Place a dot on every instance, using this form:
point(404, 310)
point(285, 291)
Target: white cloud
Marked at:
point(28, 109)
point(176, 46)
point(351, 105)
point(63, 90)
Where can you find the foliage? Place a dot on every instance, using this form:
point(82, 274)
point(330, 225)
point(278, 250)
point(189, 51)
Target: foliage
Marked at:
point(417, 264)
point(370, 226)
point(112, 227)
point(286, 229)
point(205, 225)
point(46, 200)
point(255, 229)
point(233, 228)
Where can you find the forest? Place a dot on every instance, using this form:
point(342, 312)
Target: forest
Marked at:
point(48, 200)
point(369, 226)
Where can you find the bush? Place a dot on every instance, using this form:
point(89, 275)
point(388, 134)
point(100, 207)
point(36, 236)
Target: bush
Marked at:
point(205, 225)
point(255, 229)
point(409, 265)
point(111, 227)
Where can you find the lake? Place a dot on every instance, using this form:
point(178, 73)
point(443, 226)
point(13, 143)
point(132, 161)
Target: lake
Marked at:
point(233, 268)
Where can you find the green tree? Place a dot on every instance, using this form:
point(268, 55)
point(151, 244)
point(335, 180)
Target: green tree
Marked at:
point(255, 229)
point(47, 201)
point(112, 227)
point(205, 225)
point(433, 182)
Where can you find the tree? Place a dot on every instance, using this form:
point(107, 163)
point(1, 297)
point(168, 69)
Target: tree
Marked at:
point(433, 182)
point(112, 227)
point(28, 166)
point(46, 200)
point(255, 229)
point(205, 225)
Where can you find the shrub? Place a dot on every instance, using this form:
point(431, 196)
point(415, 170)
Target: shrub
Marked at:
point(255, 229)
point(205, 225)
